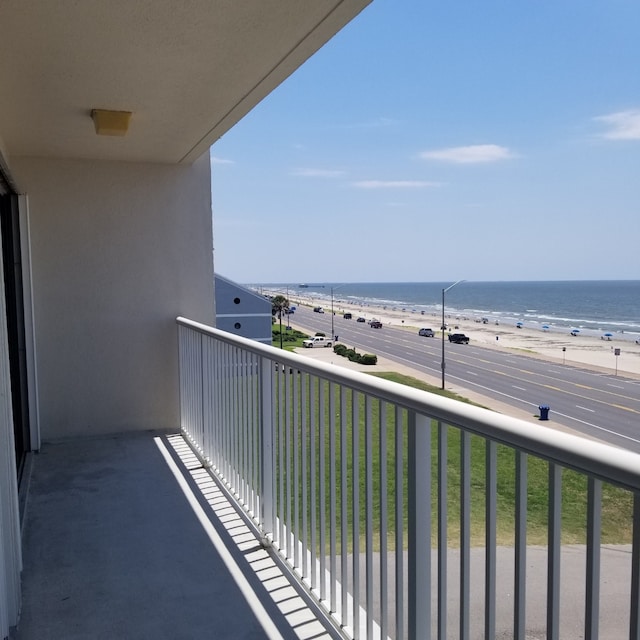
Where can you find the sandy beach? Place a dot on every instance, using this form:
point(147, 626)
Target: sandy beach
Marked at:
point(555, 344)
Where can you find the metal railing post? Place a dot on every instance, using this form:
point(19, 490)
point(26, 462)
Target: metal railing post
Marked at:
point(267, 514)
point(419, 527)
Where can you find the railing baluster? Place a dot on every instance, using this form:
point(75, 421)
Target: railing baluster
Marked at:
point(465, 534)
point(332, 498)
point(322, 469)
point(281, 460)
point(442, 530)
point(268, 519)
point(243, 427)
point(206, 397)
point(592, 591)
point(304, 434)
point(383, 524)
point(223, 414)
point(419, 526)
point(490, 557)
point(256, 440)
point(355, 491)
point(313, 463)
point(520, 560)
point(344, 498)
point(296, 473)
point(553, 571)
point(287, 462)
point(399, 521)
point(634, 623)
point(368, 492)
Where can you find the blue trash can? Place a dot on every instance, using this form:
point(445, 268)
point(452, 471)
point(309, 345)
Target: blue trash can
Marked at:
point(544, 411)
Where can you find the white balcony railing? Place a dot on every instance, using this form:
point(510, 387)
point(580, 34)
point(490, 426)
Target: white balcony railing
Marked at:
point(369, 490)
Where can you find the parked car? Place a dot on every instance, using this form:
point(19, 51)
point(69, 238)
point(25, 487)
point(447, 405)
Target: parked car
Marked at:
point(317, 341)
point(458, 338)
point(361, 319)
point(427, 333)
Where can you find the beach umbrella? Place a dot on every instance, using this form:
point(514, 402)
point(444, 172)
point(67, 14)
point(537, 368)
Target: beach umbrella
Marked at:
point(519, 325)
point(545, 327)
point(575, 332)
point(608, 335)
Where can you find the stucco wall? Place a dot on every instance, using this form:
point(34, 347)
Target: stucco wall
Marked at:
point(118, 251)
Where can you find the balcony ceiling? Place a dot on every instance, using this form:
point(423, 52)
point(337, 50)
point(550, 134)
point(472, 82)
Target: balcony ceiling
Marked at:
point(187, 70)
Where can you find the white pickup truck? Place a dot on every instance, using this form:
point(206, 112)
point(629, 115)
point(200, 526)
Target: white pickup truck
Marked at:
point(317, 341)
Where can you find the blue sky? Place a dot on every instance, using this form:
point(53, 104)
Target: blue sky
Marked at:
point(435, 141)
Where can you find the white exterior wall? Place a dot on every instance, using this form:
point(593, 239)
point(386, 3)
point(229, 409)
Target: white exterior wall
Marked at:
point(118, 251)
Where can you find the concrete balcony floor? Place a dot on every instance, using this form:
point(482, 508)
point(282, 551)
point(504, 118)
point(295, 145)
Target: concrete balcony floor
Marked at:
point(128, 537)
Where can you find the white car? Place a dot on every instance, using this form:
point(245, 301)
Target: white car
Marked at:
point(317, 341)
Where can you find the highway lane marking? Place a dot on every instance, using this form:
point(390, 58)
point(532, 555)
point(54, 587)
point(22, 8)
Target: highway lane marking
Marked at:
point(471, 373)
point(518, 388)
point(615, 386)
point(619, 406)
point(554, 370)
point(564, 415)
point(599, 428)
point(545, 386)
point(585, 408)
point(437, 369)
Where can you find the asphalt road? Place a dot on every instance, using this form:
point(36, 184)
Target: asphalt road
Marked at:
point(600, 405)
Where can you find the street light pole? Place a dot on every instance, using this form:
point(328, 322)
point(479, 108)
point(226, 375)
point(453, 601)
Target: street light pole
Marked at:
point(288, 310)
point(442, 364)
point(333, 335)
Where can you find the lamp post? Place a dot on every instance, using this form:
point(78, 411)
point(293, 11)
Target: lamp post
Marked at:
point(333, 335)
point(288, 310)
point(442, 365)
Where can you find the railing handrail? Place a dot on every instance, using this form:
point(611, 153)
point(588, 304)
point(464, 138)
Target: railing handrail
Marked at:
point(590, 457)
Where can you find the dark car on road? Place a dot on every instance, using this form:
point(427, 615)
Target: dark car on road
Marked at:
point(375, 324)
point(428, 333)
point(458, 338)
point(361, 319)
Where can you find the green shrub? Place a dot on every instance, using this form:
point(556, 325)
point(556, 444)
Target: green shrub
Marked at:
point(368, 358)
point(339, 349)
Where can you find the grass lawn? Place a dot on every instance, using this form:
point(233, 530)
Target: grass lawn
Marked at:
point(616, 503)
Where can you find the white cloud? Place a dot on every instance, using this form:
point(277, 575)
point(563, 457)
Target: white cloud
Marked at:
point(317, 173)
point(216, 160)
point(473, 154)
point(623, 125)
point(394, 184)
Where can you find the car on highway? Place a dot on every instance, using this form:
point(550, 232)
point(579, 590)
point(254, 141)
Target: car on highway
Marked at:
point(427, 333)
point(458, 338)
point(347, 316)
point(361, 319)
point(318, 309)
point(375, 324)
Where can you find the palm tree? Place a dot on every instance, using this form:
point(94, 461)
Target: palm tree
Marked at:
point(279, 304)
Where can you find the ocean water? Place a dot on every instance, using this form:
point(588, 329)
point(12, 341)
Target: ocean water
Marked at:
point(593, 307)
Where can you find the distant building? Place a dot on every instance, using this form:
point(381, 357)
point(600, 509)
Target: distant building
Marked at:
point(242, 311)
